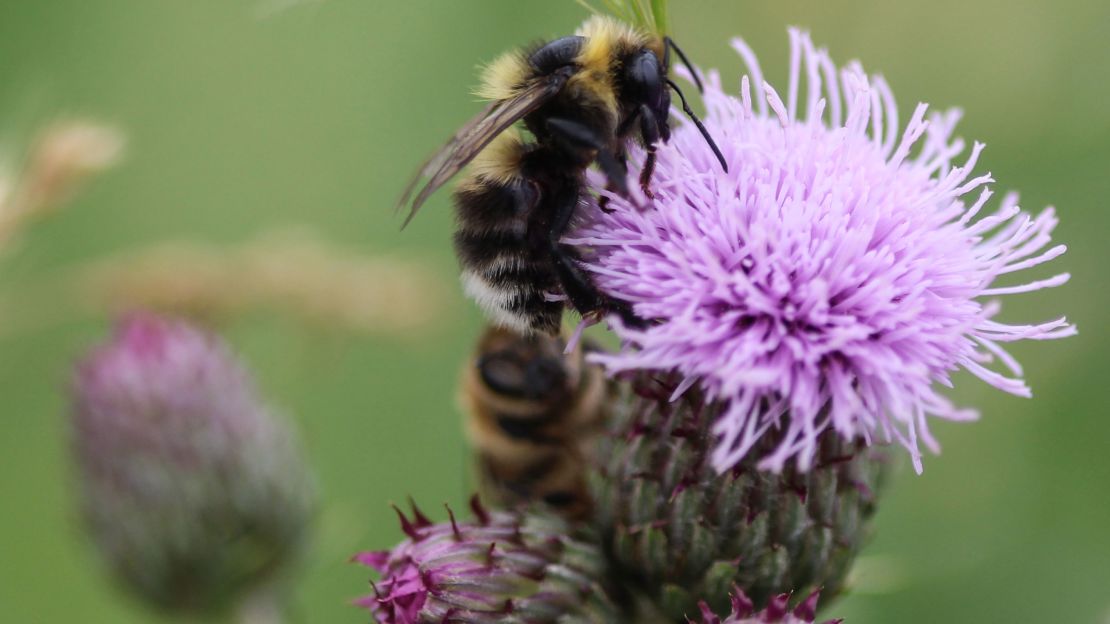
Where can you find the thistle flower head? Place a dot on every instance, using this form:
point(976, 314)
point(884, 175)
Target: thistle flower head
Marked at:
point(841, 269)
point(500, 567)
point(191, 489)
point(777, 612)
point(680, 532)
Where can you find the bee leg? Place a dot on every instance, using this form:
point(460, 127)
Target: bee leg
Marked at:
point(603, 203)
point(583, 295)
point(646, 173)
point(576, 136)
point(649, 132)
point(603, 200)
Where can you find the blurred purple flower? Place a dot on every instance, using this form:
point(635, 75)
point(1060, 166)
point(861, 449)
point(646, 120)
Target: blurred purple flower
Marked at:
point(832, 277)
point(191, 488)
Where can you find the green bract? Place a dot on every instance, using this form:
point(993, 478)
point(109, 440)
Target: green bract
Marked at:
point(681, 532)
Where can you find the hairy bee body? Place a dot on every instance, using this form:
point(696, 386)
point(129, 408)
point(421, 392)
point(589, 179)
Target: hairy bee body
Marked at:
point(511, 206)
point(530, 410)
point(582, 99)
point(500, 238)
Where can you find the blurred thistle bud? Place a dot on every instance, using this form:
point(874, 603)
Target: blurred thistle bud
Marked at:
point(515, 567)
point(681, 532)
point(777, 612)
point(194, 493)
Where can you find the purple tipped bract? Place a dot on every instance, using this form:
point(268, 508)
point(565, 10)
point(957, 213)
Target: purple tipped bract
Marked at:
point(842, 268)
point(502, 567)
point(777, 612)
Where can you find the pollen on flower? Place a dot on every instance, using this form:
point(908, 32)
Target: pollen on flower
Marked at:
point(842, 269)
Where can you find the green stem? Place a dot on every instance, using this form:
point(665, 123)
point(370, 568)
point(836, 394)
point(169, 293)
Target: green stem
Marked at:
point(659, 10)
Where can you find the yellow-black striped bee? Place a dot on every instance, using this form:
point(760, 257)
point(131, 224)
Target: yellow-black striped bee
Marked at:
point(582, 98)
point(530, 410)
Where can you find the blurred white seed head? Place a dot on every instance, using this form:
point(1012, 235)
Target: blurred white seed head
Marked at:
point(293, 271)
point(63, 157)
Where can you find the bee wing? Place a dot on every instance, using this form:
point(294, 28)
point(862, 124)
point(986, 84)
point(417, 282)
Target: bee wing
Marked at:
point(473, 137)
point(439, 159)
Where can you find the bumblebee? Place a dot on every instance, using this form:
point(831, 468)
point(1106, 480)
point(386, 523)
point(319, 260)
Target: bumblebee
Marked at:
point(582, 99)
point(530, 410)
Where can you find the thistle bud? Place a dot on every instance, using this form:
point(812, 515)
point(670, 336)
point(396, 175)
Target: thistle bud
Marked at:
point(191, 489)
point(680, 531)
point(515, 568)
point(777, 612)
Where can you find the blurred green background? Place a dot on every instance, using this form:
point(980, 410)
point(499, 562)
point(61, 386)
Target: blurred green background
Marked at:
point(244, 115)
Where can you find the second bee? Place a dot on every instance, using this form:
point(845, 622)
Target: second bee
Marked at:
point(530, 412)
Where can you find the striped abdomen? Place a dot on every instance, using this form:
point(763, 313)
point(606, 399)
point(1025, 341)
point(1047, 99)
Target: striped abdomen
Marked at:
point(531, 409)
point(500, 242)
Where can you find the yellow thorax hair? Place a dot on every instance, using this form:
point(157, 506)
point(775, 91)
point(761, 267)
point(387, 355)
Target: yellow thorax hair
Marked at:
point(503, 78)
point(605, 35)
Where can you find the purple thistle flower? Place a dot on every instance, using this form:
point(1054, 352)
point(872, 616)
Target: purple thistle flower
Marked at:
point(501, 567)
point(193, 491)
point(837, 273)
point(777, 612)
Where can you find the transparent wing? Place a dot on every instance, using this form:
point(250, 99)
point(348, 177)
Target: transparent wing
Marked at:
point(473, 137)
point(438, 159)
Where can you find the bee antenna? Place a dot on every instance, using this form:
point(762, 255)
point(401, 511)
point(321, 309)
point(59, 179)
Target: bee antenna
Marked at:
point(701, 127)
point(671, 45)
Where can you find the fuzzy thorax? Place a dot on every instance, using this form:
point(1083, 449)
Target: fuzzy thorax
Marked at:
point(606, 40)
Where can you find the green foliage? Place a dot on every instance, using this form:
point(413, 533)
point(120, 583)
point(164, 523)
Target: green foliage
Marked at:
point(650, 15)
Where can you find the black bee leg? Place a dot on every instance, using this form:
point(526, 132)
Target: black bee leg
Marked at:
point(603, 200)
point(583, 295)
point(647, 171)
point(573, 135)
point(626, 125)
point(649, 132)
